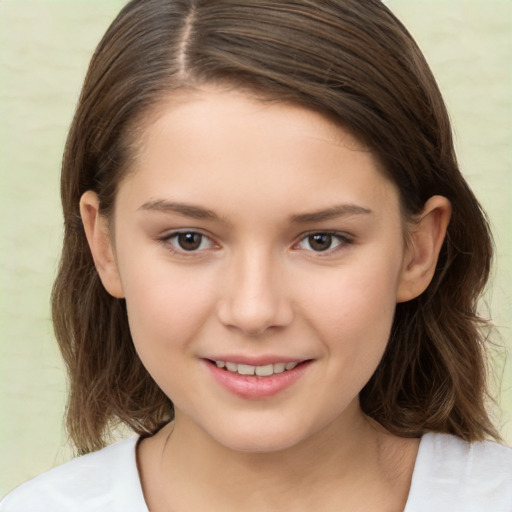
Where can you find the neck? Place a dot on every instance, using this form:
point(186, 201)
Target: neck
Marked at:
point(334, 467)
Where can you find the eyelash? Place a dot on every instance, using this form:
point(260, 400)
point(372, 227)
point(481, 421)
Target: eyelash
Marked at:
point(167, 241)
point(343, 240)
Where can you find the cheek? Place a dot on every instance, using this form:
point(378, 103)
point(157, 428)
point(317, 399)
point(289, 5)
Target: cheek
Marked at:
point(354, 309)
point(358, 319)
point(165, 316)
point(166, 308)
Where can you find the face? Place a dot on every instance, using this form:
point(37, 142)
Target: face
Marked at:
point(260, 251)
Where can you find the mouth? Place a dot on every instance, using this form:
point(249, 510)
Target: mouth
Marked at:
point(257, 382)
point(266, 370)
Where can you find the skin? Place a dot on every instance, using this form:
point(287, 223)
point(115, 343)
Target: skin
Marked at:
point(255, 286)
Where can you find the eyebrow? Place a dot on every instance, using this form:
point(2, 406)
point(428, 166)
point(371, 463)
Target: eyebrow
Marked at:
point(334, 212)
point(198, 212)
point(185, 209)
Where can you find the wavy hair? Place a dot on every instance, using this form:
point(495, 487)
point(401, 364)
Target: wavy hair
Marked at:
point(351, 60)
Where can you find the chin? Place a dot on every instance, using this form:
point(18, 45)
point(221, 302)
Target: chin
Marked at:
point(260, 437)
point(258, 443)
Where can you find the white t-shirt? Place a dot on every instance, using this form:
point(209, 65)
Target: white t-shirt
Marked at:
point(450, 475)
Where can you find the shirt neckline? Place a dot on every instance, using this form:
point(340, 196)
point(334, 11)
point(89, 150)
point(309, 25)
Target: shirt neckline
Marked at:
point(411, 497)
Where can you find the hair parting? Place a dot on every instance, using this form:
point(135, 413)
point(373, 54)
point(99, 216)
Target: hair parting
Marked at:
point(350, 60)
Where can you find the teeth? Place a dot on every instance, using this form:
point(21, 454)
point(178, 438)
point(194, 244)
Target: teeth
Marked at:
point(245, 369)
point(264, 371)
point(279, 367)
point(232, 367)
point(260, 371)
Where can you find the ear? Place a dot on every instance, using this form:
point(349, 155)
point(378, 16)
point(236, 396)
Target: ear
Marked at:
point(98, 236)
point(425, 243)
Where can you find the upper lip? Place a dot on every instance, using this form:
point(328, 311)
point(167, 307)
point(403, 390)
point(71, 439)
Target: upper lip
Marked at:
point(255, 360)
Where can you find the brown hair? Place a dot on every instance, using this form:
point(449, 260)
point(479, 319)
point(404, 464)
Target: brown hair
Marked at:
point(349, 59)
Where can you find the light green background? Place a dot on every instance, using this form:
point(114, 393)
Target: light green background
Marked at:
point(44, 50)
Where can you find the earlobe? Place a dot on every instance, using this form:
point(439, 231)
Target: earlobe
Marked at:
point(99, 239)
point(425, 243)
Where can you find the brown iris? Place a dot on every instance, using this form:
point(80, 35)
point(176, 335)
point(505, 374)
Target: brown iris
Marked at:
point(189, 241)
point(320, 241)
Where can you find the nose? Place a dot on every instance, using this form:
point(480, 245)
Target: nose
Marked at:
point(254, 296)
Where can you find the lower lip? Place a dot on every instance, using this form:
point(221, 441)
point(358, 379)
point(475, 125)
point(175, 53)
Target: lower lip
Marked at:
point(254, 387)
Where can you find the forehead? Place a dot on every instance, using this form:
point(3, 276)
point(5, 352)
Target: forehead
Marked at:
point(212, 107)
point(213, 145)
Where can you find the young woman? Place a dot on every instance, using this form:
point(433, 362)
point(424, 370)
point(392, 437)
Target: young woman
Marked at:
point(270, 271)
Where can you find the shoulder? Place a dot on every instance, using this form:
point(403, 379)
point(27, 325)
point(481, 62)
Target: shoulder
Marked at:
point(453, 475)
point(106, 480)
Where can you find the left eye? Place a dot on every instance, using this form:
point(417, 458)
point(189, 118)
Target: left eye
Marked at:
point(189, 241)
point(321, 242)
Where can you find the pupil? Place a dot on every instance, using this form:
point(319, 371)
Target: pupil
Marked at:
point(320, 241)
point(189, 241)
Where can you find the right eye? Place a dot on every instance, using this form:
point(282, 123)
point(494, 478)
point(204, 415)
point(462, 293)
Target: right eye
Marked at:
point(188, 241)
point(323, 242)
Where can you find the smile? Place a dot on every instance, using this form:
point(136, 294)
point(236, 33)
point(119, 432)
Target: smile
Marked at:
point(260, 371)
point(257, 381)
